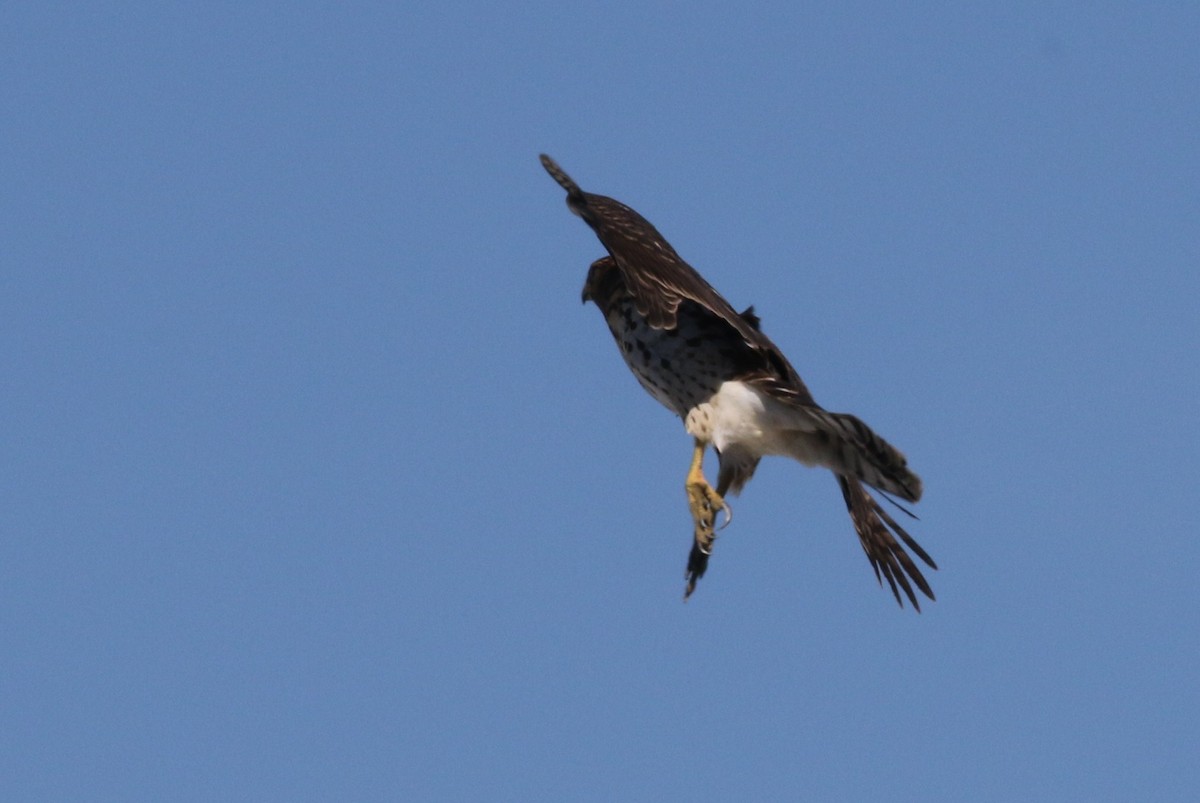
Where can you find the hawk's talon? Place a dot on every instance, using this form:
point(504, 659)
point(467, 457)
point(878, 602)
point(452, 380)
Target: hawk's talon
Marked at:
point(705, 504)
point(728, 515)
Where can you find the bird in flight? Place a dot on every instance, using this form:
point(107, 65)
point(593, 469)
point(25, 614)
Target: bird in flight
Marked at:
point(734, 390)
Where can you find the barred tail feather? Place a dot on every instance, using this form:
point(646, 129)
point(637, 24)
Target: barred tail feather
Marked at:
point(875, 530)
point(853, 449)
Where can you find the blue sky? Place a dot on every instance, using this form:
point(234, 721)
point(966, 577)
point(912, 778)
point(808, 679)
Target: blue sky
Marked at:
point(320, 483)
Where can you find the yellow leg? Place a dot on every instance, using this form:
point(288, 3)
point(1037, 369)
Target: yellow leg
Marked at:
point(704, 503)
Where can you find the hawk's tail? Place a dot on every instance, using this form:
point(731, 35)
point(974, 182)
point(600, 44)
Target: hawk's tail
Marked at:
point(853, 449)
point(875, 531)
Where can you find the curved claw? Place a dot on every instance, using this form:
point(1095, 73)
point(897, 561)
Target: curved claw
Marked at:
point(728, 515)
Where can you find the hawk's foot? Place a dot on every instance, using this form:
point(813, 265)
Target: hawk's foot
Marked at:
point(705, 505)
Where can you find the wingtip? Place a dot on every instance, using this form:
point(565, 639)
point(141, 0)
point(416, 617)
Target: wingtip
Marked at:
point(560, 176)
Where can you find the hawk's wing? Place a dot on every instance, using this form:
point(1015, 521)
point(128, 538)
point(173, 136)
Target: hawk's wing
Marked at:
point(658, 280)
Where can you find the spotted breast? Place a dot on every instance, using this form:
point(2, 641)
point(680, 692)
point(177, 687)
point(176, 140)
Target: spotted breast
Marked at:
point(681, 367)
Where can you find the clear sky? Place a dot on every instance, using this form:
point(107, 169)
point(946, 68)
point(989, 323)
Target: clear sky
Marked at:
point(320, 483)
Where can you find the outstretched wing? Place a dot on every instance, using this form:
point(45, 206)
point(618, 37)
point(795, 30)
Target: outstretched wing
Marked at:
point(659, 281)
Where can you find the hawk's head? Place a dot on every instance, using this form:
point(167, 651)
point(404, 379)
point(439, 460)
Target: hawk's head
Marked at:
point(601, 282)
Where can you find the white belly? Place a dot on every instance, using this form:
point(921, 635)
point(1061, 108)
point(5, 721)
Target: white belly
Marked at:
point(743, 417)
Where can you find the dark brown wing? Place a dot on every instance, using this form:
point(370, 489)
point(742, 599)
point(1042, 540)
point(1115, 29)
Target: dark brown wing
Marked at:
point(659, 280)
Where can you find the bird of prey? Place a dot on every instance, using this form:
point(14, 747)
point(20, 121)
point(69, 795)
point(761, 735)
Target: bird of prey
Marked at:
point(734, 389)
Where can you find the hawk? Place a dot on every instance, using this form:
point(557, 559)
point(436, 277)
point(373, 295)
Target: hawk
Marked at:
point(734, 390)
